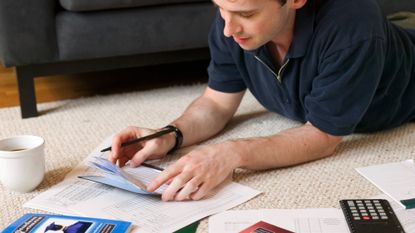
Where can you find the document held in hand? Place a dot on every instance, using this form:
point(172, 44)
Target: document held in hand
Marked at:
point(126, 178)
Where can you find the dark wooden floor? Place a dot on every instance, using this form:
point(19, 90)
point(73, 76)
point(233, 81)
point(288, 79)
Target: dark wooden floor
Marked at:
point(60, 87)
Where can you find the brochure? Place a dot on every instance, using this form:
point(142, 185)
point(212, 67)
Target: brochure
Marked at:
point(48, 223)
point(264, 227)
point(126, 178)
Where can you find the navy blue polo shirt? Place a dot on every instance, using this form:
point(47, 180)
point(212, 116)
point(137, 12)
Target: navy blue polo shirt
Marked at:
point(347, 70)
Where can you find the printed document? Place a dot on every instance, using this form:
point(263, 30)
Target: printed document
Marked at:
point(71, 190)
point(75, 196)
point(329, 220)
point(151, 214)
point(395, 179)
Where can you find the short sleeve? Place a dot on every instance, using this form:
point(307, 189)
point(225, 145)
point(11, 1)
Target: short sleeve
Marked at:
point(223, 73)
point(345, 86)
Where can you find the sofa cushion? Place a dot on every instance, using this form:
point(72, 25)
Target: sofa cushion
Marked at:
point(92, 5)
point(132, 31)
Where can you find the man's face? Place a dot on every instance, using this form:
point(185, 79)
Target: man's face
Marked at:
point(253, 23)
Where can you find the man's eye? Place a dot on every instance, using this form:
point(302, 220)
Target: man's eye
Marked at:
point(246, 15)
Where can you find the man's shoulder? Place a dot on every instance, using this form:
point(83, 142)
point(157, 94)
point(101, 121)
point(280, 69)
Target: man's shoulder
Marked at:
point(351, 21)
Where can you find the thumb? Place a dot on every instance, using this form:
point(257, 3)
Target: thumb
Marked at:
point(148, 151)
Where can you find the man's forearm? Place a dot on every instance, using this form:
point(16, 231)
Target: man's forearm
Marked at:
point(290, 147)
point(207, 115)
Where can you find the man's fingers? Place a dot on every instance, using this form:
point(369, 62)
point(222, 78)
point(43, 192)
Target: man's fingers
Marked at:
point(189, 188)
point(177, 183)
point(125, 135)
point(141, 155)
point(201, 192)
point(166, 175)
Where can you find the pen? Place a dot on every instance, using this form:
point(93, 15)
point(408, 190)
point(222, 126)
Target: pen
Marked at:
point(152, 166)
point(148, 137)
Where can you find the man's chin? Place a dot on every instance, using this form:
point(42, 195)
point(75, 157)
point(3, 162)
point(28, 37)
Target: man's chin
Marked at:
point(249, 48)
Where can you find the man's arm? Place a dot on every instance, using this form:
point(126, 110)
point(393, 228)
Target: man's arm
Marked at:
point(290, 147)
point(207, 115)
point(203, 168)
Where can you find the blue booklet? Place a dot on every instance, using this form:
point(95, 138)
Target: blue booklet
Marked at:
point(126, 178)
point(49, 223)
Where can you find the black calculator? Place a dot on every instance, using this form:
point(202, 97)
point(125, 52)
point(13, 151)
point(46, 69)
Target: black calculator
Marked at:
point(370, 216)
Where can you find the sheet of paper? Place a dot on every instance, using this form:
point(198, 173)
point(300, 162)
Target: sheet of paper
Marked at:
point(406, 216)
point(150, 214)
point(297, 220)
point(394, 179)
point(67, 193)
point(72, 189)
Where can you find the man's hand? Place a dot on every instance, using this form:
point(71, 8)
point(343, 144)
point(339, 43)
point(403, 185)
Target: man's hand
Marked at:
point(196, 173)
point(139, 152)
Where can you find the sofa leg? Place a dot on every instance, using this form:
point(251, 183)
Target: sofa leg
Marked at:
point(27, 96)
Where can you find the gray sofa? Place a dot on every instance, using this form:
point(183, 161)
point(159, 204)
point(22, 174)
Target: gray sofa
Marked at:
point(46, 37)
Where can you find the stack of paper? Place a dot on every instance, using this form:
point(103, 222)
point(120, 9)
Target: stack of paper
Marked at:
point(148, 213)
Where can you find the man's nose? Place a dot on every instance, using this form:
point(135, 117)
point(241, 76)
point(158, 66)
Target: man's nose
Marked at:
point(231, 27)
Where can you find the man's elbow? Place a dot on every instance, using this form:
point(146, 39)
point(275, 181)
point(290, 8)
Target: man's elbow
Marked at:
point(331, 142)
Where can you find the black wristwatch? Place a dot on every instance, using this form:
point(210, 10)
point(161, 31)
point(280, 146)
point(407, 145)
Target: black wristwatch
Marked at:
point(179, 138)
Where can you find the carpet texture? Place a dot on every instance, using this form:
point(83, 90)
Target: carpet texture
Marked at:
point(73, 128)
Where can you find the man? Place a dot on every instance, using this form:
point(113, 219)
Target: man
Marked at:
point(337, 66)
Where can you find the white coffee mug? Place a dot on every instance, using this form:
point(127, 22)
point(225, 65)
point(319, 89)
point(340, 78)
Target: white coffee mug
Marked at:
point(22, 162)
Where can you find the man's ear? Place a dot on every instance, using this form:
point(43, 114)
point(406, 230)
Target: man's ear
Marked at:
point(296, 4)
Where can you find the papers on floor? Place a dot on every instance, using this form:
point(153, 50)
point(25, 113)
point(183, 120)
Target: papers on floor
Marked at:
point(153, 215)
point(395, 179)
point(297, 220)
point(406, 217)
point(76, 196)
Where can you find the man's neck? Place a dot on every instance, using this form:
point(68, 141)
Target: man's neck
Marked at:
point(277, 53)
point(278, 47)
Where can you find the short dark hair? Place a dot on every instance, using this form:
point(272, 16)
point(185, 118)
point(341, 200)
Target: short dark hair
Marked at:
point(282, 2)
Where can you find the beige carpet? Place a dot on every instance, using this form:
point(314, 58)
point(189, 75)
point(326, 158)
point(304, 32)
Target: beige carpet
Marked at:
point(73, 128)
